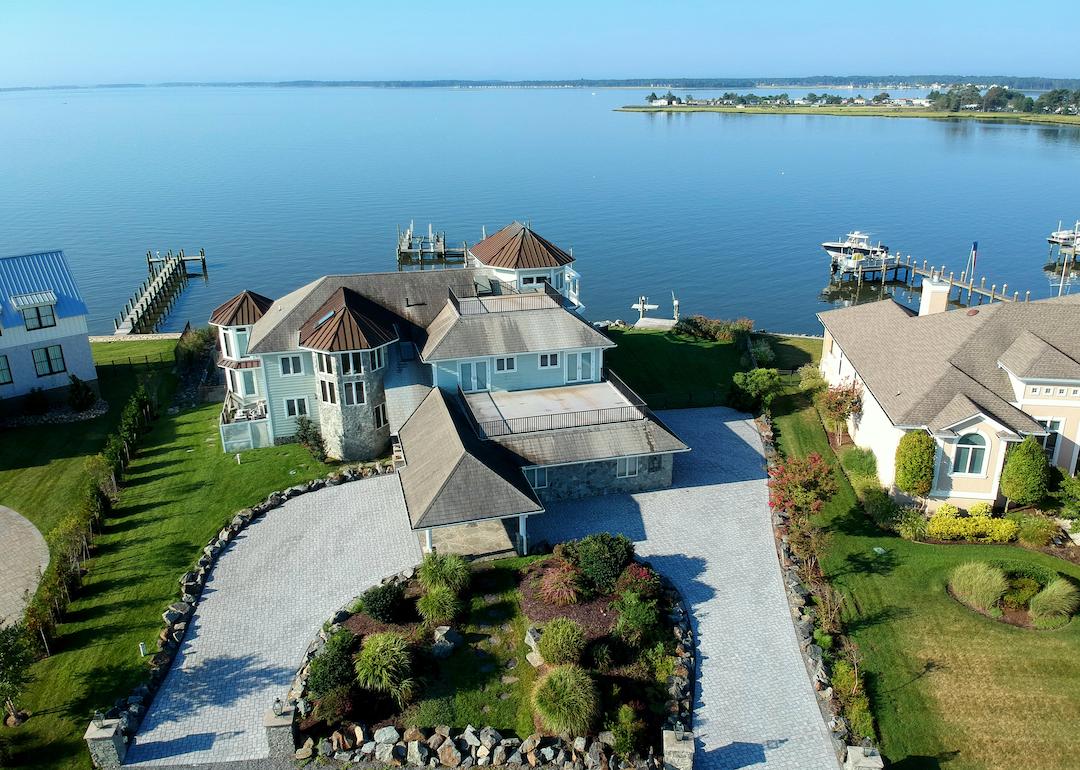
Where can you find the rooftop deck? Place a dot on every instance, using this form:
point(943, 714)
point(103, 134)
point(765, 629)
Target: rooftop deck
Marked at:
point(502, 413)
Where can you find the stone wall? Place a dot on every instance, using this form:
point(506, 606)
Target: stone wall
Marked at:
point(567, 482)
point(349, 431)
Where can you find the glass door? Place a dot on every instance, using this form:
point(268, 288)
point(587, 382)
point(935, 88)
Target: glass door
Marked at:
point(572, 367)
point(473, 376)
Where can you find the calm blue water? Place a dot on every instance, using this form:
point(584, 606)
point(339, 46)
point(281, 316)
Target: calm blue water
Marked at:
point(283, 185)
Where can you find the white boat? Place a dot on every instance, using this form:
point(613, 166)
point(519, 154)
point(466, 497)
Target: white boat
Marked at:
point(855, 249)
point(1064, 237)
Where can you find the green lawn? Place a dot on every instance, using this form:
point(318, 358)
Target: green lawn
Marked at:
point(129, 351)
point(178, 492)
point(793, 352)
point(949, 687)
point(673, 371)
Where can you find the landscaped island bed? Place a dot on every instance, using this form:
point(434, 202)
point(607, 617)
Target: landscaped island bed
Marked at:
point(493, 663)
point(869, 112)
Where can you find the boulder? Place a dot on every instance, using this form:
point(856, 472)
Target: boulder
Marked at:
point(326, 748)
point(606, 737)
point(341, 741)
point(177, 611)
point(547, 754)
point(470, 737)
point(530, 743)
point(384, 753)
point(580, 744)
point(387, 735)
point(305, 751)
point(536, 660)
point(367, 751)
point(449, 754)
point(417, 753)
point(435, 741)
point(515, 759)
point(489, 736)
point(532, 638)
point(412, 734)
point(498, 755)
point(360, 735)
point(443, 730)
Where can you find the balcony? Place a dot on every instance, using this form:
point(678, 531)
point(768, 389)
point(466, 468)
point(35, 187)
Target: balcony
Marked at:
point(542, 298)
point(234, 410)
point(506, 413)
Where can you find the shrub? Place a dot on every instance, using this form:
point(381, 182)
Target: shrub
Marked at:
point(801, 485)
point(1058, 599)
point(911, 524)
point(309, 435)
point(837, 404)
point(915, 463)
point(1037, 531)
point(713, 329)
point(810, 379)
point(1024, 477)
point(859, 462)
point(332, 668)
point(881, 508)
point(438, 606)
point(1069, 495)
point(660, 662)
point(561, 585)
point(565, 699)
point(763, 352)
point(847, 685)
point(858, 715)
point(639, 578)
point(1019, 592)
point(562, 641)
point(753, 389)
point(80, 395)
point(947, 524)
point(35, 402)
point(601, 558)
point(981, 509)
point(444, 569)
point(627, 730)
point(978, 584)
point(384, 665)
point(602, 658)
point(638, 621)
point(383, 602)
point(334, 705)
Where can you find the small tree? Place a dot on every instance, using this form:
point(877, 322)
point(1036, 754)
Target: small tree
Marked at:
point(309, 435)
point(915, 463)
point(837, 404)
point(757, 387)
point(1026, 472)
point(15, 659)
point(801, 486)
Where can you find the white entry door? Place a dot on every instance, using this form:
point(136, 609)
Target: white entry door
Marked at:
point(579, 366)
point(473, 376)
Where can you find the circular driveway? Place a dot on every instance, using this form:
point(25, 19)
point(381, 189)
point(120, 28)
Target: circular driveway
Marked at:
point(25, 557)
point(266, 597)
point(711, 535)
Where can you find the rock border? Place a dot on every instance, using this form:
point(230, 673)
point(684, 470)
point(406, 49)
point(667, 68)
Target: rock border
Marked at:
point(129, 711)
point(802, 616)
point(59, 416)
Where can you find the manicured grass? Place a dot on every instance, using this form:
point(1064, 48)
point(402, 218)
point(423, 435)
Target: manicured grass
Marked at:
point(864, 112)
point(469, 684)
point(793, 352)
point(948, 686)
point(178, 492)
point(129, 351)
point(673, 371)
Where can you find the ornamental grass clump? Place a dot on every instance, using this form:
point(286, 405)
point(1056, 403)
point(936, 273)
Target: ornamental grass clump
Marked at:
point(384, 665)
point(438, 606)
point(448, 570)
point(562, 641)
point(560, 585)
point(1057, 601)
point(566, 701)
point(978, 585)
point(638, 621)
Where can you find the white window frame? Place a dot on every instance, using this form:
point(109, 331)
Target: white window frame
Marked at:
point(352, 364)
point(551, 364)
point(242, 337)
point(243, 382)
point(324, 362)
point(981, 473)
point(327, 392)
point(505, 364)
point(296, 365)
point(379, 413)
point(377, 358)
point(1060, 433)
point(537, 476)
point(472, 388)
point(1048, 391)
point(6, 377)
point(626, 467)
point(349, 391)
point(1034, 390)
point(580, 376)
point(296, 404)
point(226, 343)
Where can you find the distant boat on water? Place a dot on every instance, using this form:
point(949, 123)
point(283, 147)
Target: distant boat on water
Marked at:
point(846, 254)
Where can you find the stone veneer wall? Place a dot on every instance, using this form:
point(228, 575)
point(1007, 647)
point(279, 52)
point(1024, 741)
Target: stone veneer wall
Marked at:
point(567, 482)
point(349, 431)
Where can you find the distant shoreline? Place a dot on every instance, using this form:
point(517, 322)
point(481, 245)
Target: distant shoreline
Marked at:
point(867, 112)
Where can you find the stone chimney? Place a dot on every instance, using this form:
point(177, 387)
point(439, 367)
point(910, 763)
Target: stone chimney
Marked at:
point(935, 295)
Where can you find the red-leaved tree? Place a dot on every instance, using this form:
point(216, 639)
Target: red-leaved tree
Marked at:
point(801, 486)
point(837, 404)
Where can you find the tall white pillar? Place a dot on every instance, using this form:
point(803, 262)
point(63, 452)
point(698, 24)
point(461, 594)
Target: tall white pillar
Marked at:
point(523, 536)
point(428, 546)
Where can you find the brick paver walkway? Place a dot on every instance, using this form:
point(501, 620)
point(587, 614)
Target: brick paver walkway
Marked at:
point(267, 596)
point(25, 553)
point(710, 534)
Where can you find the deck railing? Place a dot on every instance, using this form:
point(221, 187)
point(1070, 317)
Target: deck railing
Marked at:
point(507, 303)
point(233, 410)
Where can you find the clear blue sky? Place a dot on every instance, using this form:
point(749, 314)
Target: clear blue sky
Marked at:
point(46, 42)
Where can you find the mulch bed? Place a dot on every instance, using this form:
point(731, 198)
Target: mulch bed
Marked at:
point(595, 615)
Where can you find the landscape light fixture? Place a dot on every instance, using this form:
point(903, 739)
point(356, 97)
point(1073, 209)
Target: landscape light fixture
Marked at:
point(99, 720)
point(277, 707)
point(142, 649)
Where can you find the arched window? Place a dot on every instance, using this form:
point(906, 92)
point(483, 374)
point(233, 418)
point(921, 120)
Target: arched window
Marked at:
point(970, 454)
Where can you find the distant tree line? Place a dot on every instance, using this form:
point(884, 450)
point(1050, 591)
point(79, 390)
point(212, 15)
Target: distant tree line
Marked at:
point(1001, 99)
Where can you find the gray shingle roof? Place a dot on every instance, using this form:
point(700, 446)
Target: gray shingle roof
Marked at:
point(523, 331)
point(594, 442)
point(413, 297)
point(915, 366)
point(451, 476)
point(1031, 356)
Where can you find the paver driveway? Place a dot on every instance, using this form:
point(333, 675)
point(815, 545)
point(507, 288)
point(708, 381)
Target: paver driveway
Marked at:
point(25, 557)
point(265, 599)
point(710, 534)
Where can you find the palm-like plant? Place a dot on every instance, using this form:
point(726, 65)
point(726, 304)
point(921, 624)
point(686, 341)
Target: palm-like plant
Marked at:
point(384, 665)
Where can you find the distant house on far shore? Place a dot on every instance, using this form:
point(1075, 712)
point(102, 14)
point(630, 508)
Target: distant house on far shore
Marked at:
point(42, 328)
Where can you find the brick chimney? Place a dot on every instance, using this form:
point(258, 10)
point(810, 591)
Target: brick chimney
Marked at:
point(935, 295)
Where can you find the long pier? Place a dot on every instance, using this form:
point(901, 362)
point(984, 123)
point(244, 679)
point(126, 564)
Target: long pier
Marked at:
point(157, 295)
point(877, 270)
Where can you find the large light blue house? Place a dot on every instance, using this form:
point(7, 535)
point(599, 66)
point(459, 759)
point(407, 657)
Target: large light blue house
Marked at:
point(485, 382)
point(42, 328)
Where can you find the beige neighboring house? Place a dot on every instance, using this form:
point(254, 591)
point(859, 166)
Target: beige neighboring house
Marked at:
point(976, 379)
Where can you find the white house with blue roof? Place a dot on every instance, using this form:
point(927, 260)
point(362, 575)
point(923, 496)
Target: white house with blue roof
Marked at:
point(43, 336)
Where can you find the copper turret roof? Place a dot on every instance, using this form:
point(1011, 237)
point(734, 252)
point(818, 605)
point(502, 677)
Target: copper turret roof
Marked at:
point(244, 309)
point(347, 321)
point(517, 247)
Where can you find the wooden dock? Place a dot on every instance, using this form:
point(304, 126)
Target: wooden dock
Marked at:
point(878, 270)
point(416, 250)
point(156, 296)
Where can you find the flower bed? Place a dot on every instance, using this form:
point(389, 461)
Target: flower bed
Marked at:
point(1017, 594)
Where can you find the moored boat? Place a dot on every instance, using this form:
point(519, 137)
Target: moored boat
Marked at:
point(855, 248)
